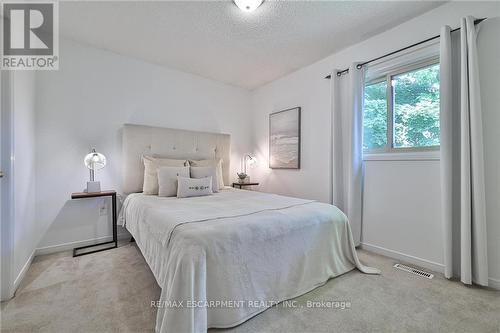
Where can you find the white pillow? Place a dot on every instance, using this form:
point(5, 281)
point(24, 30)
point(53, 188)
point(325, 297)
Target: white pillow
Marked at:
point(167, 180)
point(217, 163)
point(151, 165)
point(208, 171)
point(192, 187)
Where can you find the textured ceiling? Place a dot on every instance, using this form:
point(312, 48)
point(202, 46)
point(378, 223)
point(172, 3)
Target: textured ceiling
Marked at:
point(216, 40)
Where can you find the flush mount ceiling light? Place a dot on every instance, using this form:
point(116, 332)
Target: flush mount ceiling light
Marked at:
point(248, 5)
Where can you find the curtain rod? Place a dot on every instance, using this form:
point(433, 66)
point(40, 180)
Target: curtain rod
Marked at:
point(339, 73)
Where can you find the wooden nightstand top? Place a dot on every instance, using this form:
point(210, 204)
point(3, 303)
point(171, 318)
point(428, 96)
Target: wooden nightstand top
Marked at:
point(81, 195)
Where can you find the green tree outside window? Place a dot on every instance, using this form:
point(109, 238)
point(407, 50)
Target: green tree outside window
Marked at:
point(415, 110)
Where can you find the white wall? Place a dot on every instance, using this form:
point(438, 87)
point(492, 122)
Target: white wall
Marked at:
point(401, 211)
point(388, 218)
point(84, 105)
point(26, 228)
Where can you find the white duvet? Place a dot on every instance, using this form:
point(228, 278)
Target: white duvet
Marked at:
point(221, 259)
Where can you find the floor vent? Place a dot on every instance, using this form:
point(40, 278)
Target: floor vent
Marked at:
point(413, 270)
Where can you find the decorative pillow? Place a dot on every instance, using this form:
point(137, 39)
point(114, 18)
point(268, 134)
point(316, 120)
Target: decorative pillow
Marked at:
point(167, 180)
point(151, 165)
point(208, 171)
point(217, 163)
point(192, 187)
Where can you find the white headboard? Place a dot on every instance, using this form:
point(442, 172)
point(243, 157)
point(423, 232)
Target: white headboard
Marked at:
point(141, 140)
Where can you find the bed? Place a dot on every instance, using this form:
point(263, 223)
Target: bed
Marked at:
point(222, 259)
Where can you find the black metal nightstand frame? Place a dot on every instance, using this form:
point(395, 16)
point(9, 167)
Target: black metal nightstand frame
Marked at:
point(240, 185)
point(84, 195)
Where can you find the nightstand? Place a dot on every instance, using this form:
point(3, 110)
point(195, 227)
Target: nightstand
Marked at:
point(241, 185)
point(85, 195)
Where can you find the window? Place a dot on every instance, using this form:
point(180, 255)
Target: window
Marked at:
point(405, 116)
point(375, 116)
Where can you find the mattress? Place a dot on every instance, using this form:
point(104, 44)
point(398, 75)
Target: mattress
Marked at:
point(224, 258)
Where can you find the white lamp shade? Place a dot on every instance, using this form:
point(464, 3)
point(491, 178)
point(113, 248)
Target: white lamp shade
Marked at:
point(94, 160)
point(252, 162)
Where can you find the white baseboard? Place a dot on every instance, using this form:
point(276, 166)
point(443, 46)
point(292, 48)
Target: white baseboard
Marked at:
point(22, 273)
point(494, 283)
point(71, 245)
point(433, 266)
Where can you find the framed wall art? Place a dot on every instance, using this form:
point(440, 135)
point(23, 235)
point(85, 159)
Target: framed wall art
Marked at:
point(284, 139)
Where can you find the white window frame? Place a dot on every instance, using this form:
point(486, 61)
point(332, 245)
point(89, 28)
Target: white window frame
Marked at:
point(412, 153)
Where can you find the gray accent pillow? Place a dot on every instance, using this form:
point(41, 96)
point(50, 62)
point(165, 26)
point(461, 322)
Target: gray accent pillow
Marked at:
point(192, 187)
point(167, 180)
point(207, 171)
point(217, 163)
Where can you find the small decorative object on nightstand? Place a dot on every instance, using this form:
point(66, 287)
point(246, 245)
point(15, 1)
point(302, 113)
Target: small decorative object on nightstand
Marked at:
point(241, 177)
point(241, 185)
point(84, 195)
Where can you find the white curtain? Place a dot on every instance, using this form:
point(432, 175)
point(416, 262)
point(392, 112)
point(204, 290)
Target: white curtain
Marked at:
point(462, 162)
point(347, 160)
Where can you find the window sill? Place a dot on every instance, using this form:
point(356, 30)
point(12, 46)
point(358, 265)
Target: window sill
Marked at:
point(434, 155)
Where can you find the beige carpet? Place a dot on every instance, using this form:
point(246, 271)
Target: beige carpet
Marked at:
point(111, 291)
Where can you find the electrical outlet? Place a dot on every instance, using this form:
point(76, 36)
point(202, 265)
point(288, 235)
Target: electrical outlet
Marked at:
point(103, 208)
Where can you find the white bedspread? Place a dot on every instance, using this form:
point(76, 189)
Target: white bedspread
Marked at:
point(223, 258)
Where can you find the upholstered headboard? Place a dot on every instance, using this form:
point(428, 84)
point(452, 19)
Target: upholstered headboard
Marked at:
point(141, 140)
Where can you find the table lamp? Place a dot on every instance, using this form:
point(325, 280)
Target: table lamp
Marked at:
point(94, 161)
point(251, 161)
